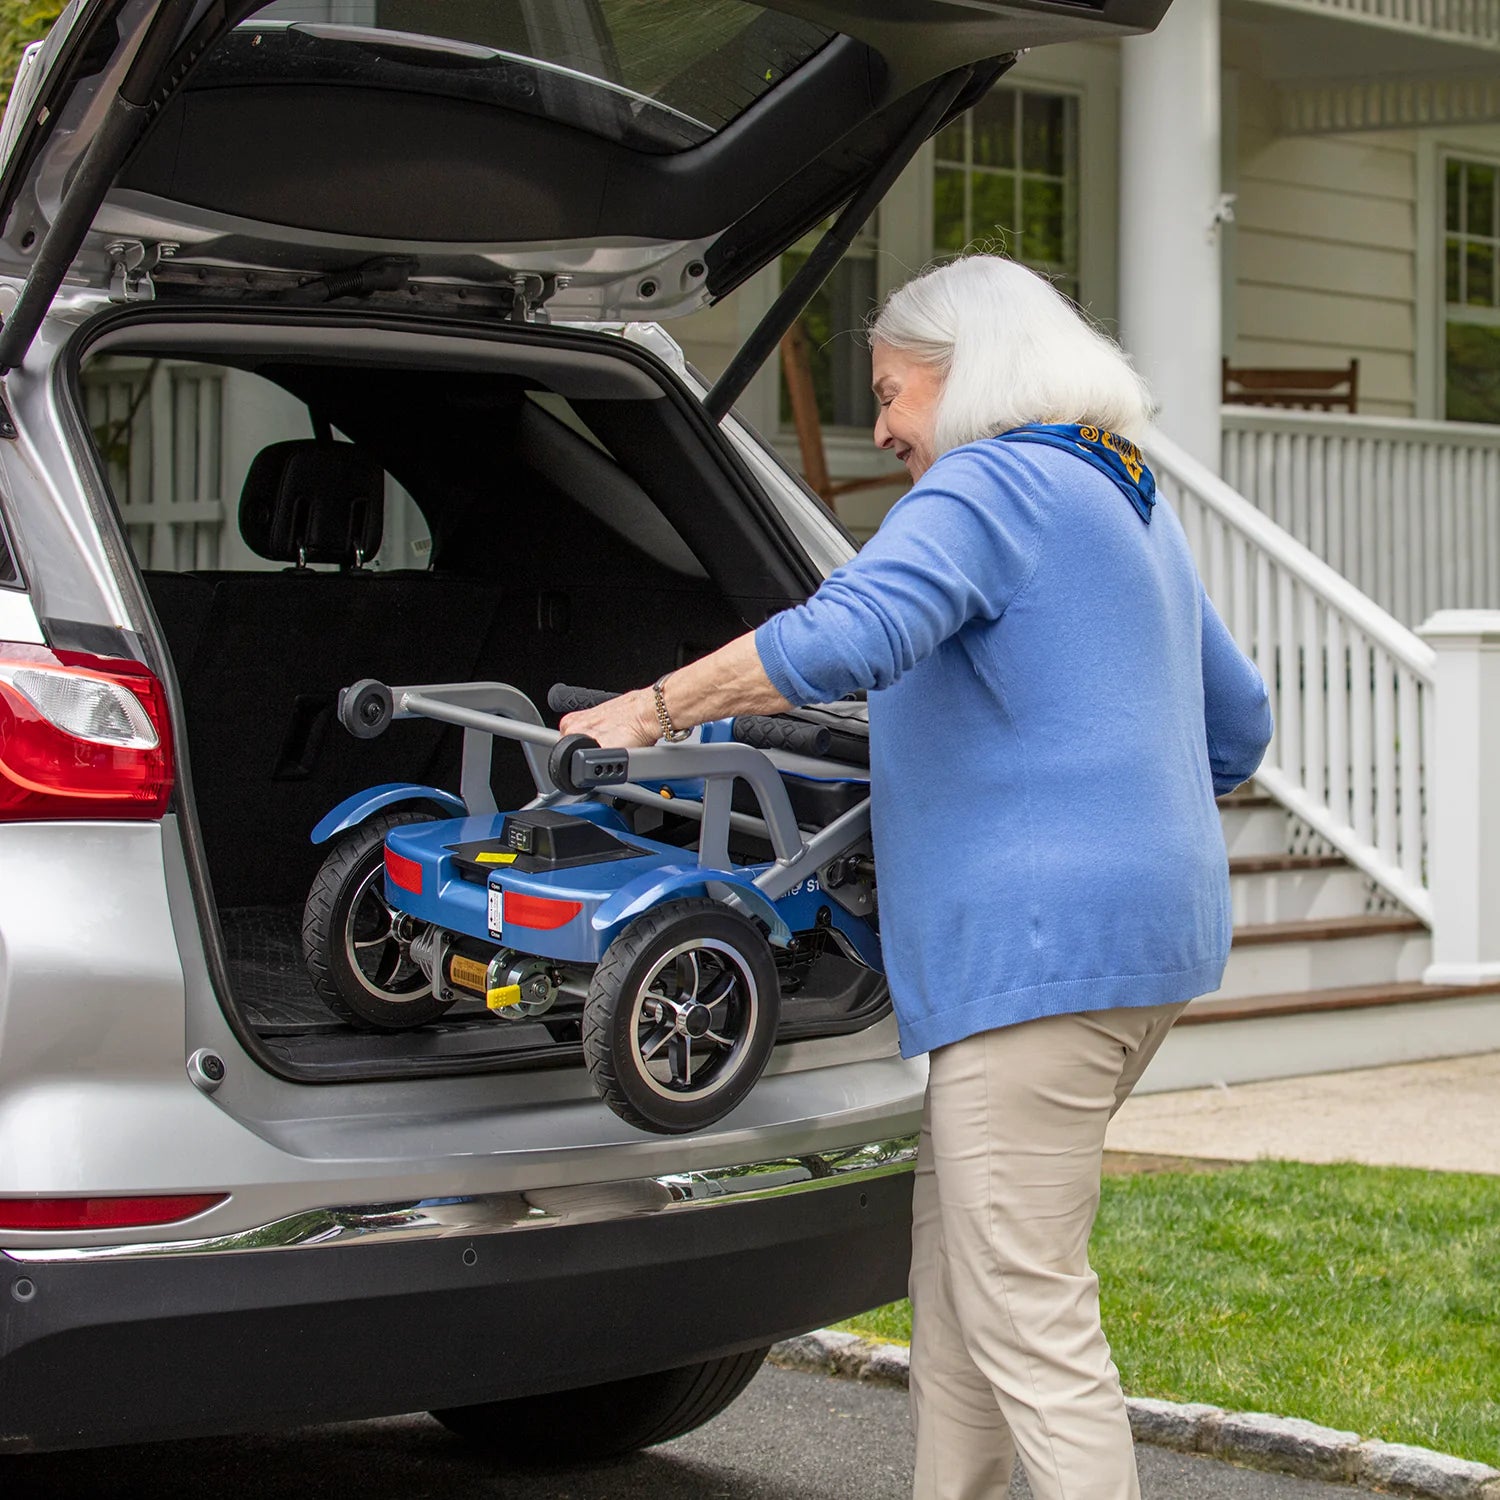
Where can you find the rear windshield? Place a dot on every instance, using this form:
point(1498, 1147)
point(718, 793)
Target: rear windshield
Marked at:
point(658, 75)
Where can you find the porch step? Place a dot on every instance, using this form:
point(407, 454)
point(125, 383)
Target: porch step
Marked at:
point(1218, 1041)
point(1275, 888)
point(1367, 949)
point(1212, 1009)
point(1254, 826)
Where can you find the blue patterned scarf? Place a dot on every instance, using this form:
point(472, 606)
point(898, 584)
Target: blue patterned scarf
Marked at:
point(1107, 451)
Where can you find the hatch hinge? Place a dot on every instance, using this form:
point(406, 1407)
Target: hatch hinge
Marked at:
point(532, 291)
point(7, 427)
point(130, 266)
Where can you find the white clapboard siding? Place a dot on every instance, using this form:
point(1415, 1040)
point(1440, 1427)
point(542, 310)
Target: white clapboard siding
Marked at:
point(1350, 686)
point(1323, 254)
point(1408, 512)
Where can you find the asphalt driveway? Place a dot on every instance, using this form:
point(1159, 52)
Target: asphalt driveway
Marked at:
point(791, 1436)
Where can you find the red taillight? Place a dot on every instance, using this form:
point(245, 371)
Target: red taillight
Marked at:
point(102, 1213)
point(81, 737)
point(406, 873)
point(539, 911)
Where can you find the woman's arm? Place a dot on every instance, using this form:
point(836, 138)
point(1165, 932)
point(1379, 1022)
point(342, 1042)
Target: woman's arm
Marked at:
point(959, 545)
point(1236, 708)
point(728, 681)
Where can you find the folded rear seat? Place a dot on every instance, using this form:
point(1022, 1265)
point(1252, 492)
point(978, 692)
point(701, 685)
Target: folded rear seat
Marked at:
point(268, 756)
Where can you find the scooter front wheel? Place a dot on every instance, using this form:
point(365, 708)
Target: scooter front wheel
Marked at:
point(681, 1016)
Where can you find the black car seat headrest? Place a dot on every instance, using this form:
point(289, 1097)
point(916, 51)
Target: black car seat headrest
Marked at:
point(307, 501)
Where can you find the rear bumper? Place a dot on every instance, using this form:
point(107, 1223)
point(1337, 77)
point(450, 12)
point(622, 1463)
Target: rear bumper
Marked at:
point(116, 1347)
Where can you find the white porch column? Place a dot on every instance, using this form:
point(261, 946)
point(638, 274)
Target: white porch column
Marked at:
point(1171, 317)
point(1463, 790)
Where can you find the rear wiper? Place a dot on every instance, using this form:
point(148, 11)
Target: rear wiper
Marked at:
point(386, 273)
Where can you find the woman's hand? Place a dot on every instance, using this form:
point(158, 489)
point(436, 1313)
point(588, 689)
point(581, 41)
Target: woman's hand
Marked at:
point(624, 723)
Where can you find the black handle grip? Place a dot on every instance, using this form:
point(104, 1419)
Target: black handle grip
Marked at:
point(562, 699)
point(767, 732)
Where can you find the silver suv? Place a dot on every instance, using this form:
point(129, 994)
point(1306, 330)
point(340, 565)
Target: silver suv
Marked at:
point(429, 242)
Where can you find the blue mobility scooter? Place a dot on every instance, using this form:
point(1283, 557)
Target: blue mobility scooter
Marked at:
point(671, 960)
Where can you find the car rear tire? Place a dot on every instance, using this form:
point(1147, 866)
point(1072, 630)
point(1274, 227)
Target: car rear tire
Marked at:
point(604, 1421)
point(347, 899)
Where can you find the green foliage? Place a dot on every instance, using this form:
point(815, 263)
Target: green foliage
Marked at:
point(1360, 1297)
point(21, 22)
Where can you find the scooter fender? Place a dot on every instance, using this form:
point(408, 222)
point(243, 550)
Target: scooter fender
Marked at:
point(353, 811)
point(669, 881)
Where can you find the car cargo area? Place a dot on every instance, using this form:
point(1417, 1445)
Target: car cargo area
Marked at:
point(532, 508)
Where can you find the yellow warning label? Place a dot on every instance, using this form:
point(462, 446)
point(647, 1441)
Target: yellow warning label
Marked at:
point(494, 857)
point(507, 995)
point(467, 973)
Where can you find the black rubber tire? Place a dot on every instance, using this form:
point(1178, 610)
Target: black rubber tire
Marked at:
point(604, 1421)
point(610, 1037)
point(349, 862)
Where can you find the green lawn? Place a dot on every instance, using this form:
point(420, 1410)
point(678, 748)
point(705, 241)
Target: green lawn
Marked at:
point(1360, 1297)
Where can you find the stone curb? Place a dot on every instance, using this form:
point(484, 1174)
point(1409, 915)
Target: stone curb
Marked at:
point(1256, 1439)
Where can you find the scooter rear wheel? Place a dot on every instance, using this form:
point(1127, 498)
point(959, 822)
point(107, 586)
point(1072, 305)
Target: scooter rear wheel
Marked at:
point(681, 1016)
point(357, 945)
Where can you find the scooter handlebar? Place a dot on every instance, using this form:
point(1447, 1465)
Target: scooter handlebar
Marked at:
point(562, 699)
point(767, 732)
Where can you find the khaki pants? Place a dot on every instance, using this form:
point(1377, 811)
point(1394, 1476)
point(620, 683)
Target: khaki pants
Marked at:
point(1007, 1352)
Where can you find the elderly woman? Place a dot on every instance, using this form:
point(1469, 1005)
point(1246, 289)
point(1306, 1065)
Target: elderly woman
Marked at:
point(1053, 706)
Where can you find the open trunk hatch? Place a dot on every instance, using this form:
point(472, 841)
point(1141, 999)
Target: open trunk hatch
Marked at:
point(614, 158)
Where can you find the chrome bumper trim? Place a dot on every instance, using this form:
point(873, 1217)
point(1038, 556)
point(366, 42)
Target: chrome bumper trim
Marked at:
point(541, 1208)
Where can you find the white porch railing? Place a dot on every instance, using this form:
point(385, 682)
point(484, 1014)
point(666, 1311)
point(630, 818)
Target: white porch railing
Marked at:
point(1350, 686)
point(1408, 512)
point(1473, 22)
point(159, 427)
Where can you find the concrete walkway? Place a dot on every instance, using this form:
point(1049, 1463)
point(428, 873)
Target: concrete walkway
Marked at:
point(1441, 1115)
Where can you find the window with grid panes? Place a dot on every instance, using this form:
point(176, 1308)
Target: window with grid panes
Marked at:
point(1471, 353)
point(1005, 178)
point(835, 322)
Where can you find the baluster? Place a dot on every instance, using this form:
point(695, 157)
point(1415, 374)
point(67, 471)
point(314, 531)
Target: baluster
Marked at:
point(1338, 716)
point(1385, 755)
point(1314, 696)
point(1364, 576)
point(1263, 651)
point(1218, 572)
point(160, 401)
point(1382, 591)
point(1411, 778)
point(206, 480)
point(1361, 746)
point(1190, 511)
point(1281, 483)
point(1333, 501)
point(184, 463)
point(1290, 664)
point(1431, 531)
point(1265, 476)
point(1240, 610)
point(1448, 538)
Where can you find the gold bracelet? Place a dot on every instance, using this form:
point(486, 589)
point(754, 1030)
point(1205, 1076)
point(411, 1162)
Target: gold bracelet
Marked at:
point(669, 731)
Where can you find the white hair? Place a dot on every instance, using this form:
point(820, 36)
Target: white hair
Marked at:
point(1011, 350)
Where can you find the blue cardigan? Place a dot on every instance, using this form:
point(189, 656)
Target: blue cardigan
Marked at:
point(1054, 705)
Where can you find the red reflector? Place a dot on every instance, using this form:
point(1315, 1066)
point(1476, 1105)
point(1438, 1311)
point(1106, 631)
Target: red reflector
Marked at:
point(406, 873)
point(539, 911)
point(102, 1213)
